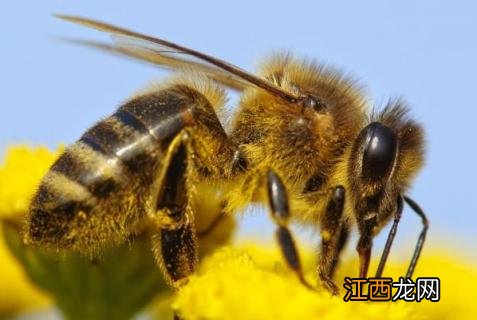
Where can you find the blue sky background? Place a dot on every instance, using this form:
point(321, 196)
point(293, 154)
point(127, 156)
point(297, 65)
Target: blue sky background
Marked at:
point(421, 50)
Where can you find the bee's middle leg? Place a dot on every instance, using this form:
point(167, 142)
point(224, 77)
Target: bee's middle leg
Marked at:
point(174, 240)
point(278, 201)
point(334, 233)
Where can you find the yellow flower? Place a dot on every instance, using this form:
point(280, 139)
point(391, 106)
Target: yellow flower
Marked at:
point(80, 287)
point(16, 291)
point(19, 175)
point(244, 282)
point(252, 283)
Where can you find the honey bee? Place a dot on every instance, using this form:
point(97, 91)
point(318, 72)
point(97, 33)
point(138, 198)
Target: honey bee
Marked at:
point(302, 142)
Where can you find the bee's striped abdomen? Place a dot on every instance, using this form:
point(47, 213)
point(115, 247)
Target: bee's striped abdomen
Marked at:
point(162, 123)
point(87, 173)
point(130, 151)
point(103, 182)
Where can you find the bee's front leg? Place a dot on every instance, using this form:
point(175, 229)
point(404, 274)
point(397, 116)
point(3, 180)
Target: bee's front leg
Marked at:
point(390, 239)
point(365, 244)
point(174, 240)
point(278, 201)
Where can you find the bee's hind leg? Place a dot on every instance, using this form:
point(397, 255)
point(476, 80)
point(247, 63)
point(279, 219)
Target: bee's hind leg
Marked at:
point(278, 201)
point(175, 241)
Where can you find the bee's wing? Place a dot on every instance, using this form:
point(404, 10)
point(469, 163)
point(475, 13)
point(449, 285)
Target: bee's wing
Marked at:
point(167, 61)
point(169, 54)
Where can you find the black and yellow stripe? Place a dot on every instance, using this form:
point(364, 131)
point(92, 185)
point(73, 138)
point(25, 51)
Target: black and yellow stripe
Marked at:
point(110, 168)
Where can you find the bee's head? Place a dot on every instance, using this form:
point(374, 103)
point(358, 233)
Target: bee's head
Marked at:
point(387, 154)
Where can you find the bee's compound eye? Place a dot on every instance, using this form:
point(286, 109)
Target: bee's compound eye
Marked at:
point(380, 146)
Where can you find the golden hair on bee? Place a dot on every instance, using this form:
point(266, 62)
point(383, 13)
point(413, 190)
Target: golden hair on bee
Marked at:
point(191, 78)
point(301, 141)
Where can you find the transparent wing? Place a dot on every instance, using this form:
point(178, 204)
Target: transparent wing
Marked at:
point(166, 61)
point(169, 54)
